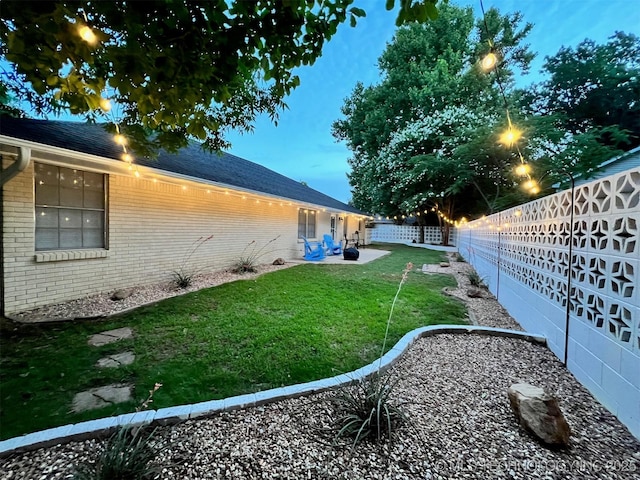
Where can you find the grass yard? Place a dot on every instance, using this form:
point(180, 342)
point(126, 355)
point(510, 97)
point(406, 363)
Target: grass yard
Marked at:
point(291, 326)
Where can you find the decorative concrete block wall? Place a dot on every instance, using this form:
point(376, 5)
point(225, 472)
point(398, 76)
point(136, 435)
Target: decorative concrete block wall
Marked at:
point(389, 233)
point(524, 255)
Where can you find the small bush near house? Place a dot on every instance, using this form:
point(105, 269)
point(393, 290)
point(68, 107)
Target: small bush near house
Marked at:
point(459, 258)
point(250, 256)
point(127, 455)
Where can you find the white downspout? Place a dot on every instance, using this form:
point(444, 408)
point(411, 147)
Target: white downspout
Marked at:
point(24, 157)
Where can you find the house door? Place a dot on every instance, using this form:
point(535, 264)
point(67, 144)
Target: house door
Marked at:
point(333, 227)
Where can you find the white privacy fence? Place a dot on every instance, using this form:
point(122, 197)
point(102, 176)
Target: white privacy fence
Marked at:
point(541, 266)
point(389, 233)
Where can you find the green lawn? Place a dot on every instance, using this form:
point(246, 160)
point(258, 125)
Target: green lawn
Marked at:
point(294, 325)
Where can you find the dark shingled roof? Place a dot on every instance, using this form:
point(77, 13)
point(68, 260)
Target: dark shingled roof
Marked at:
point(192, 160)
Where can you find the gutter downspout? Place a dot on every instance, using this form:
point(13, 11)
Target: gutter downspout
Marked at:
point(24, 157)
point(21, 163)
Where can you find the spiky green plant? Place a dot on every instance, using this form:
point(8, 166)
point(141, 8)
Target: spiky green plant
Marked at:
point(366, 411)
point(476, 280)
point(250, 255)
point(127, 455)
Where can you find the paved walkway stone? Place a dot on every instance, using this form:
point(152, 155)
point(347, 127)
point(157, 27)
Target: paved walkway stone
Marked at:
point(101, 397)
point(110, 336)
point(116, 360)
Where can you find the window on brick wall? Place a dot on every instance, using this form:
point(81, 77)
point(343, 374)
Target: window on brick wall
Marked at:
point(307, 223)
point(70, 208)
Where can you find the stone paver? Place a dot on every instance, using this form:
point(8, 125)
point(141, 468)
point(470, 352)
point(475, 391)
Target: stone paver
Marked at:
point(101, 397)
point(116, 360)
point(110, 336)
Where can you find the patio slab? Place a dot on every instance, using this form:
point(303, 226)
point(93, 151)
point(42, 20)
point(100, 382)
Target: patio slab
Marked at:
point(366, 255)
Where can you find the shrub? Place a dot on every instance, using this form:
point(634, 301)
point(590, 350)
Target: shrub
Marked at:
point(365, 411)
point(183, 275)
point(250, 255)
point(476, 280)
point(127, 455)
point(459, 258)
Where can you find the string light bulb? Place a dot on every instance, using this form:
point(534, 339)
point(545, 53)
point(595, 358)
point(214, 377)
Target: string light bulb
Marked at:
point(120, 139)
point(86, 33)
point(489, 61)
point(105, 104)
point(523, 169)
point(510, 136)
point(530, 185)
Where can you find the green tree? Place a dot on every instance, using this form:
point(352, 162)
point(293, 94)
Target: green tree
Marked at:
point(594, 90)
point(176, 68)
point(407, 132)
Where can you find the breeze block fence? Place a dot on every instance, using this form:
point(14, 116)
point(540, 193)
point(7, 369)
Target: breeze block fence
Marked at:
point(523, 254)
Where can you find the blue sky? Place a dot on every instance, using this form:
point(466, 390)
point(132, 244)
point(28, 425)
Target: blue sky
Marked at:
point(302, 147)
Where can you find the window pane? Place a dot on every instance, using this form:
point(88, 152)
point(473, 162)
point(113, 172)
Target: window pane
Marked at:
point(311, 227)
point(92, 238)
point(46, 238)
point(92, 220)
point(71, 183)
point(302, 223)
point(71, 238)
point(93, 190)
point(46, 217)
point(46, 178)
point(70, 218)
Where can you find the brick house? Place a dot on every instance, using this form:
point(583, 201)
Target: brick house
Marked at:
point(76, 220)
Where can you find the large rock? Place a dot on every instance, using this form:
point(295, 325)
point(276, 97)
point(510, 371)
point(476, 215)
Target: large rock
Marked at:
point(539, 413)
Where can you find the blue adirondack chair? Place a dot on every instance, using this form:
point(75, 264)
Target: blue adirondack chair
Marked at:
point(332, 248)
point(313, 251)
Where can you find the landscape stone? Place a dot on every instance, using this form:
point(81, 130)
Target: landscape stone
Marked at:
point(475, 293)
point(279, 261)
point(110, 336)
point(444, 264)
point(121, 294)
point(539, 413)
point(116, 360)
point(101, 397)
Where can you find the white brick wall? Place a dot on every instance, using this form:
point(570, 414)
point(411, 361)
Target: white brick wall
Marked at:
point(151, 226)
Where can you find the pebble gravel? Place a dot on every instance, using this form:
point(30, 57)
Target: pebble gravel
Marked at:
point(454, 389)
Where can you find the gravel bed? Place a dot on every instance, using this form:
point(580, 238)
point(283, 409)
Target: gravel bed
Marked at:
point(101, 305)
point(461, 427)
point(484, 310)
point(454, 388)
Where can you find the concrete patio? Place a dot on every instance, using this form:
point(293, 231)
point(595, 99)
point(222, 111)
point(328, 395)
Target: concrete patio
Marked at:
point(366, 255)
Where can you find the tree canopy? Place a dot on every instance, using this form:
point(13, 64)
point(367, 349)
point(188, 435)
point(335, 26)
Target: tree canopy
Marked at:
point(411, 134)
point(176, 68)
point(427, 135)
point(594, 88)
